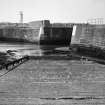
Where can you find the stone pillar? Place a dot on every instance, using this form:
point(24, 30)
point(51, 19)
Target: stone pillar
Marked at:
point(76, 36)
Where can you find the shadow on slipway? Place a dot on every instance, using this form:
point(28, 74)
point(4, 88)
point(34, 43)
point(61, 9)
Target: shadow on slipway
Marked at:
point(54, 53)
point(64, 53)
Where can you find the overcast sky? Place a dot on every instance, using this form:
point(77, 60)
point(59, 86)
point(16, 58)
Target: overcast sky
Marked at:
point(54, 10)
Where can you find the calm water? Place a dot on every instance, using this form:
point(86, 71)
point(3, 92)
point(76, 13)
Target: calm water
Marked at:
point(26, 49)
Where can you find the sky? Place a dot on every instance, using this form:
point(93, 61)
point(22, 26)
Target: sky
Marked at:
point(77, 11)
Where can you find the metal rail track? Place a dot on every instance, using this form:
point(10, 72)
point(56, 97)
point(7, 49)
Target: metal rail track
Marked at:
point(12, 65)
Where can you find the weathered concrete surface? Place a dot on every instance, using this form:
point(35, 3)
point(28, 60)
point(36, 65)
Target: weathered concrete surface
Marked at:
point(41, 82)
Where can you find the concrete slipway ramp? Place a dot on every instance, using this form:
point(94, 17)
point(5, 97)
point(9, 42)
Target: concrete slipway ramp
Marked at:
point(54, 82)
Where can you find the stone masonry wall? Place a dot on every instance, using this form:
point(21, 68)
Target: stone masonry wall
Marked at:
point(89, 34)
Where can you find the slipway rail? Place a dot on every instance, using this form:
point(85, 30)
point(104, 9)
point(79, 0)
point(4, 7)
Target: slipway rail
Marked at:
point(13, 64)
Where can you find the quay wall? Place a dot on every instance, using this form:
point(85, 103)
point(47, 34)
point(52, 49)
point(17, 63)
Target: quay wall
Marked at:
point(89, 40)
point(11, 32)
point(42, 32)
point(89, 34)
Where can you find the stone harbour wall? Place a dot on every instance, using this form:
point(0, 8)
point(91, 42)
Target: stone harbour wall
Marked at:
point(89, 34)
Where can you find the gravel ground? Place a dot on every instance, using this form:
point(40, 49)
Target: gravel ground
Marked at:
point(54, 82)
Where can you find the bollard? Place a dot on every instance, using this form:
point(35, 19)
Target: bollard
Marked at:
point(82, 59)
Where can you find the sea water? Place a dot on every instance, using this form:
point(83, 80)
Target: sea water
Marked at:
point(24, 49)
point(27, 49)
